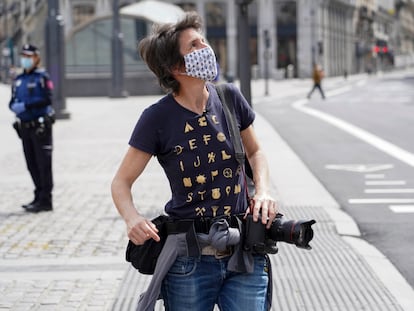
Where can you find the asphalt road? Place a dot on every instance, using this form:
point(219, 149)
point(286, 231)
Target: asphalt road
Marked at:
point(359, 144)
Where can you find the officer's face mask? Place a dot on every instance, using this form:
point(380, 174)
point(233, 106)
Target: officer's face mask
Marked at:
point(201, 64)
point(26, 62)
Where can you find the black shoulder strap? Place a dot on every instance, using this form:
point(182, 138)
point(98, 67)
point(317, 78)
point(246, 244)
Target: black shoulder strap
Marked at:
point(229, 112)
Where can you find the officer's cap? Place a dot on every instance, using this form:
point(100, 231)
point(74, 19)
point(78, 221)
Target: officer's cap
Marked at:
point(29, 50)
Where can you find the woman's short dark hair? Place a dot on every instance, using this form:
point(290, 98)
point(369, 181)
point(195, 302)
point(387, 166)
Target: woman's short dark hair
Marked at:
point(161, 49)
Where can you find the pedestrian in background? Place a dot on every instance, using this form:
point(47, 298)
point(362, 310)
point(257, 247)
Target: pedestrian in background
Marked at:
point(187, 131)
point(31, 101)
point(317, 76)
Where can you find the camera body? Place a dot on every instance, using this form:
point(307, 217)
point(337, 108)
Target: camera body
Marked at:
point(262, 240)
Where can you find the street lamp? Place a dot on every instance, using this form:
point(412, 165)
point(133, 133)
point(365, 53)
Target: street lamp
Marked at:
point(244, 55)
point(117, 77)
point(55, 57)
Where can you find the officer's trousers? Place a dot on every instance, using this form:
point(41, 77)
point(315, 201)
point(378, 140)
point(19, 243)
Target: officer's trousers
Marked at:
point(37, 147)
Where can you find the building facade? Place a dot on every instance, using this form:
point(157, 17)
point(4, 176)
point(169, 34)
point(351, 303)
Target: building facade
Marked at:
point(286, 36)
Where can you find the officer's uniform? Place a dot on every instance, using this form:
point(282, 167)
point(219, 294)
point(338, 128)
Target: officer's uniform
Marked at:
point(33, 90)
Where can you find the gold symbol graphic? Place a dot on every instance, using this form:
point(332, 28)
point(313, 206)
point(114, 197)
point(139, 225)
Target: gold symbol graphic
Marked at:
point(211, 157)
point(192, 144)
point(228, 190)
point(214, 208)
point(202, 121)
point(178, 149)
point(214, 174)
point(215, 193)
point(182, 166)
point(224, 155)
point(198, 163)
point(206, 139)
point(227, 210)
point(214, 119)
point(202, 193)
point(227, 172)
point(187, 182)
point(188, 128)
point(237, 189)
point(200, 211)
point(201, 179)
point(189, 197)
point(221, 137)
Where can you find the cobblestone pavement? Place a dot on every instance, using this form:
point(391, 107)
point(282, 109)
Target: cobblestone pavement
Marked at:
point(71, 258)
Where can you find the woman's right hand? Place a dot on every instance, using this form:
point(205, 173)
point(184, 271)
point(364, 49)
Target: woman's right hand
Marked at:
point(140, 229)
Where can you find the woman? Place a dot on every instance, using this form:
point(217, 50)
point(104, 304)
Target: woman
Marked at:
point(187, 131)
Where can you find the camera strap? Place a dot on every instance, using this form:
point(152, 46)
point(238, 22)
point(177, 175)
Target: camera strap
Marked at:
point(234, 132)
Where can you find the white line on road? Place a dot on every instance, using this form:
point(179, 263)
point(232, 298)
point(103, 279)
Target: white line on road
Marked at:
point(402, 208)
point(380, 201)
point(388, 190)
point(369, 138)
point(374, 176)
point(385, 182)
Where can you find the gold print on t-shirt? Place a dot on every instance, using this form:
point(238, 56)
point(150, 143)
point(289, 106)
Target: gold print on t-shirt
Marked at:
point(221, 137)
point(182, 166)
point(228, 190)
point(187, 182)
point(228, 173)
point(214, 119)
point(237, 189)
point(189, 197)
point(215, 193)
point(206, 139)
point(192, 144)
point(211, 157)
point(214, 174)
point(178, 149)
point(202, 121)
point(201, 194)
point(197, 163)
point(227, 210)
point(201, 179)
point(200, 211)
point(224, 155)
point(214, 208)
point(188, 128)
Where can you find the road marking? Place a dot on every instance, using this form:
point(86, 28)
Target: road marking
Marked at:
point(338, 91)
point(380, 201)
point(360, 168)
point(375, 176)
point(369, 138)
point(385, 182)
point(387, 190)
point(402, 208)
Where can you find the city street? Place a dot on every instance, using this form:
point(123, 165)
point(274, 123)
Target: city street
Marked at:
point(358, 142)
point(73, 258)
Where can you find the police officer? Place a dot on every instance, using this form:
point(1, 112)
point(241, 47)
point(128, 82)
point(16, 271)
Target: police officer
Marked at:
point(31, 101)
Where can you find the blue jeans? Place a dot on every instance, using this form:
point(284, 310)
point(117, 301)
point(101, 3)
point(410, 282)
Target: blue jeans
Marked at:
point(194, 284)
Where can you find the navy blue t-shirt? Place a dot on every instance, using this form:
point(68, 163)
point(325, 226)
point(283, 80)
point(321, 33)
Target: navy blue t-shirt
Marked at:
point(196, 154)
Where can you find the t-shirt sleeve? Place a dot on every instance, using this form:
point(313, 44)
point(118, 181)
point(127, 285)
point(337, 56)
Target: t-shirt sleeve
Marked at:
point(244, 112)
point(145, 134)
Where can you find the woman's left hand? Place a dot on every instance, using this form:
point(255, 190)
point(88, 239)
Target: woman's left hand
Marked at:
point(264, 207)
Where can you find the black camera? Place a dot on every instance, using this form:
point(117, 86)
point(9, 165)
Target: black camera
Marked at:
point(262, 240)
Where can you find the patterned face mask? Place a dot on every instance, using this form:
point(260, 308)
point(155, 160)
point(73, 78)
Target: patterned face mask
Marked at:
point(201, 64)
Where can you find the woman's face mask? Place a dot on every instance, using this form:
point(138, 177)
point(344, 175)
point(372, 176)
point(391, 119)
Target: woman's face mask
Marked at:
point(201, 64)
point(26, 62)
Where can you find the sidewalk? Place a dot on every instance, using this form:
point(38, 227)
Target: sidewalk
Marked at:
point(73, 258)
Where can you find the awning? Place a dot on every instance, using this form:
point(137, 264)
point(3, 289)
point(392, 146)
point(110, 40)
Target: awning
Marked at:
point(154, 11)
